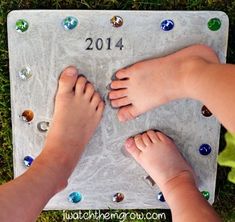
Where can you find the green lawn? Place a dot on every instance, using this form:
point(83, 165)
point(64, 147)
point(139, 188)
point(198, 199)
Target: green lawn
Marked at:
point(225, 192)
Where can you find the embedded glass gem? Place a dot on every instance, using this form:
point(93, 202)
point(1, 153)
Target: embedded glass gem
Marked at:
point(75, 197)
point(27, 115)
point(25, 73)
point(167, 25)
point(205, 149)
point(206, 194)
point(214, 24)
point(117, 21)
point(206, 112)
point(28, 160)
point(70, 23)
point(118, 197)
point(160, 197)
point(22, 25)
point(43, 126)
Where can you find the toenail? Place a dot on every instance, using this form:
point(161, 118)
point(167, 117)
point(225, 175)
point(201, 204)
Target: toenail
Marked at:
point(71, 71)
point(129, 142)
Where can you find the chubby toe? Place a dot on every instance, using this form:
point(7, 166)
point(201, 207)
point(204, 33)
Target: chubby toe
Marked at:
point(153, 136)
point(89, 90)
point(68, 80)
point(122, 74)
point(95, 100)
point(119, 84)
point(132, 148)
point(146, 139)
point(80, 85)
point(117, 94)
point(120, 102)
point(126, 113)
point(139, 142)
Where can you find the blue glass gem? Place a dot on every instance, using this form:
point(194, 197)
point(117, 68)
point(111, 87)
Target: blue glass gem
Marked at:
point(28, 160)
point(70, 23)
point(205, 149)
point(160, 197)
point(167, 25)
point(75, 197)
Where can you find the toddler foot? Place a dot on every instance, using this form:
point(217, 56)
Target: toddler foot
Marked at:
point(148, 84)
point(159, 156)
point(78, 110)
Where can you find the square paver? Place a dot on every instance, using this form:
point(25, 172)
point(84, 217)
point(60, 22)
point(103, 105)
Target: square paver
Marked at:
point(99, 49)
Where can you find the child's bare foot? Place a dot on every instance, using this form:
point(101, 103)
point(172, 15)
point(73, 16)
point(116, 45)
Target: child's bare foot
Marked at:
point(78, 110)
point(159, 156)
point(148, 84)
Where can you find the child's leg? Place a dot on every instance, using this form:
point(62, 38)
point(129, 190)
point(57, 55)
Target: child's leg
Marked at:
point(78, 110)
point(193, 72)
point(148, 84)
point(159, 156)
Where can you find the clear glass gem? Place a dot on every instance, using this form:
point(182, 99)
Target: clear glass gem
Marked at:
point(28, 160)
point(27, 115)
point(214, 24)
point(167, 25)
point(75, 197)
point(25, 73)
point(117, 21)
point(205, 149)
point(206, 112)
point(22, 25)
point(160, 197)
point(206, 194)
point(70, 23)
point(118, 197)
point(43, 126)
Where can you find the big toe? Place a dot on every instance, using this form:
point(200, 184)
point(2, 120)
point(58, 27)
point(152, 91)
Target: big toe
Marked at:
point(126, 113)
point(68, 79)
point(132, 148)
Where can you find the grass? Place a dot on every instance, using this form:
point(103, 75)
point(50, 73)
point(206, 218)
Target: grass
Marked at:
point(225, 198)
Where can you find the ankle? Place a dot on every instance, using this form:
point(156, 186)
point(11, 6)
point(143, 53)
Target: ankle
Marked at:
point(180, 77)
point(182, 182)
point(57, 166)
point(193, 69)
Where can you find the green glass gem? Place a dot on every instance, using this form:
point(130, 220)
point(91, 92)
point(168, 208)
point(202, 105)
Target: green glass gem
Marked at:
point(22, 25)
point(206, 194)
point(214, 24)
